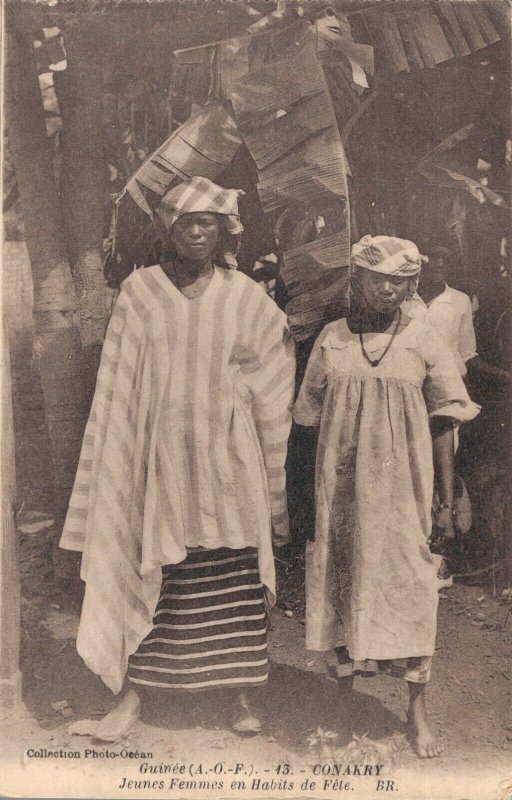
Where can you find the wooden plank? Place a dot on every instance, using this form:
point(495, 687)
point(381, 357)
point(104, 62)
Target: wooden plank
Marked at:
point(412, 52)
point(386, 34)
point(487, 29)
point(422, 38)
point(430, 39)
point(398, 51)
point(452, 28)
point(468, 24)
point(440, 46)
point(499, 14)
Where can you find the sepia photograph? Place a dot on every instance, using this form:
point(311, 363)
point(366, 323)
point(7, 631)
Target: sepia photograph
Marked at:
point(256, 535)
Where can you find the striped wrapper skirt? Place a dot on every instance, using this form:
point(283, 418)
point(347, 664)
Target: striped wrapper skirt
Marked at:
point(210, 625)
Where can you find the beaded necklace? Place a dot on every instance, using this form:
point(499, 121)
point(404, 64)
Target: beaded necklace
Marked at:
point(374, 362)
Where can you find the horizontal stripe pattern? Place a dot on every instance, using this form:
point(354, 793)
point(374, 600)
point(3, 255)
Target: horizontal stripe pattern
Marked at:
point(212, 637)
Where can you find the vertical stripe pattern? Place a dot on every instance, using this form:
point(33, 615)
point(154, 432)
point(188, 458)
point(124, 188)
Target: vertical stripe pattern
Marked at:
point(185, 447)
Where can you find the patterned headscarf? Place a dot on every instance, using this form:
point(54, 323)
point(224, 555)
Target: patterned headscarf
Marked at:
point(387, 255)
point(201, 195)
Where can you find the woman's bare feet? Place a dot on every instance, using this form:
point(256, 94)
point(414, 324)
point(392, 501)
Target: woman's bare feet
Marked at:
point(425, 742)
point(244, 720)
point(119, 722)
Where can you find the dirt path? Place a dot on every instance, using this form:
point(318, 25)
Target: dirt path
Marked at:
point(470, 694)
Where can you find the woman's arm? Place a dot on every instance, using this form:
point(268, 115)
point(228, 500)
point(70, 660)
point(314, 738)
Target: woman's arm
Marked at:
point(443, 446)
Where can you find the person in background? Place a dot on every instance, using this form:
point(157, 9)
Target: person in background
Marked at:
point(180, 490)
point(450, 313)
point(382, 392)
point(446, 309)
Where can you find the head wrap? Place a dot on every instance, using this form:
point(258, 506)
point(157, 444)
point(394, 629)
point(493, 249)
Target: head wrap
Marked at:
point(387, 255)
point(201, 195)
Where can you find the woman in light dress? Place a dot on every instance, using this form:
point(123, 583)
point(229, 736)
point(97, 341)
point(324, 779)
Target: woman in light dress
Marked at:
point(382, 392)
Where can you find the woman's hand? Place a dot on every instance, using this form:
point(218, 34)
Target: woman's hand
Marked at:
point(442, 441)
point(444, 522)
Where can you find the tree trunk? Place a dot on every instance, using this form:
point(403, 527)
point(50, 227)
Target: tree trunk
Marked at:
point(57, 348)
point(79, 90)
point(10, 676)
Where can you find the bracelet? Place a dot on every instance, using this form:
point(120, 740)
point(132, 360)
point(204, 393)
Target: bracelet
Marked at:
point(445, 505)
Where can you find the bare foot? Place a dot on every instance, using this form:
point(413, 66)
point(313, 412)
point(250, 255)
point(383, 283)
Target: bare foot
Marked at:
point(244, 721)
point(425, 742)
point(119, 722)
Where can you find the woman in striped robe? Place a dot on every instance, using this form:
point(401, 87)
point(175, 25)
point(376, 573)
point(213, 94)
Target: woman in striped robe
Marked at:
point(180, 489)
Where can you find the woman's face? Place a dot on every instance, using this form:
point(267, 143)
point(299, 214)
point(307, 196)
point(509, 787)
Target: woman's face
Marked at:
point(383, 293)
point(195, 235)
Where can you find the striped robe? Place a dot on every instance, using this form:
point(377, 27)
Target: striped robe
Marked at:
point(185, 447)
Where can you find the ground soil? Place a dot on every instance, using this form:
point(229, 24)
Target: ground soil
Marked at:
point(469, 695)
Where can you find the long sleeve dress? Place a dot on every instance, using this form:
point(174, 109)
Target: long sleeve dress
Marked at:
point(370, 576)
point(185, 448)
